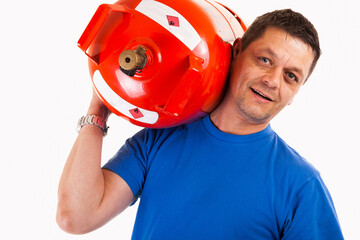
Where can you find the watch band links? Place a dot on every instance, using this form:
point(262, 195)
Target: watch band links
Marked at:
point(93, 120)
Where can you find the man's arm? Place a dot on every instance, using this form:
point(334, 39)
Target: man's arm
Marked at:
point(89, 196)
point(313, 214)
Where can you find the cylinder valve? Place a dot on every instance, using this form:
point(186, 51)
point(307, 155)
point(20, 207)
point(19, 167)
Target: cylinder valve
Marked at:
point(132, 60)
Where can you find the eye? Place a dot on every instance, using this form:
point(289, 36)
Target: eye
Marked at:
point(264, 60)
point(291, 77)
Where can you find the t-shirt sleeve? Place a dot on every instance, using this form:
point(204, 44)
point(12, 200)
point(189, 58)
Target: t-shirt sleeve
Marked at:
point(130, 162)
point(312, 214)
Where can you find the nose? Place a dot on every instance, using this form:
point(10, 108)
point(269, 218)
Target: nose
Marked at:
point(272, 78)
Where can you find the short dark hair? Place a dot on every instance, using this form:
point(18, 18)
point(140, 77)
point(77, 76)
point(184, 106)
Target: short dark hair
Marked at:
point(289, 21)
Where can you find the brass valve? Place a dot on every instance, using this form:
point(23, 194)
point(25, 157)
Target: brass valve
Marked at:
point(132, 60)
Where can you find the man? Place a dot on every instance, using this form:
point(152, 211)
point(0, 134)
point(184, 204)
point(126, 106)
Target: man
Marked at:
point(226, 176)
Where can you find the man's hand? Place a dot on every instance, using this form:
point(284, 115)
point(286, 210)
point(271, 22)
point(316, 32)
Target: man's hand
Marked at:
point(98, 108)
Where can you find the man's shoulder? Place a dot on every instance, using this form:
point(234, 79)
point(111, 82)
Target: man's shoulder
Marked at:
point(292, 162)
point(172, 130)
point(159, 136)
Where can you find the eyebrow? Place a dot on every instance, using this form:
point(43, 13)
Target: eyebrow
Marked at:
point(270, 52)
point(293, 69)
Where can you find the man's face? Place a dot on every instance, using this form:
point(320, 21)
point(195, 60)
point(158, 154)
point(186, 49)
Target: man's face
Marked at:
point(266, 76)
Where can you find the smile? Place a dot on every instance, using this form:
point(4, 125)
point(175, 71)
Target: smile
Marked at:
point(261, 95)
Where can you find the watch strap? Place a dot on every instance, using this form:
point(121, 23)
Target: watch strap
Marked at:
point(92, 120)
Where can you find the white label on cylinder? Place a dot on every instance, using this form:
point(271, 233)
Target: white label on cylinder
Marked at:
point(224, 29)
point(171, 20)
point(120, 104)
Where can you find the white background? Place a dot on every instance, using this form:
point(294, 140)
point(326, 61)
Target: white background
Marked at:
point(45, 88)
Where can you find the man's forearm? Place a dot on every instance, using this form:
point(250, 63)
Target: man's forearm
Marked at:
point(81, 186)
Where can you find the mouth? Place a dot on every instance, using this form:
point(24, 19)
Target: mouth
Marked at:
point(262, 95)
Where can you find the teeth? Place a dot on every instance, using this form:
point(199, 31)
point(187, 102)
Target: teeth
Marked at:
point(259, 93)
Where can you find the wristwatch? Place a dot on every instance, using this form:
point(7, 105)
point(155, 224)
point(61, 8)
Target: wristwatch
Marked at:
point(92, 120)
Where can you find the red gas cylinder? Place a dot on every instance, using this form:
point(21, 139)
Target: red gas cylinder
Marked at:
point(160, 63)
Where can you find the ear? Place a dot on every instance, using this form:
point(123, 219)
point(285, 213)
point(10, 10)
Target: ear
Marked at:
point(236, 48)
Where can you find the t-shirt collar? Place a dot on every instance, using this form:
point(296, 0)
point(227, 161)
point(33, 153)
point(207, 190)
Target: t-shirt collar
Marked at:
point(216, 133)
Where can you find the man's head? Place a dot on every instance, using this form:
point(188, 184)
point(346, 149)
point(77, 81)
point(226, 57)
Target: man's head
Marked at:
point(270, 64)
point(293, 23)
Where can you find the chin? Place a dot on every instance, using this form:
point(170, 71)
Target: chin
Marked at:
point(253, 114)
point(255, 118)
point(260, 119)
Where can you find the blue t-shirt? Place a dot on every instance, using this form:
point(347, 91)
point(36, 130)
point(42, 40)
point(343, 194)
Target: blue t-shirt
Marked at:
point(197, 182)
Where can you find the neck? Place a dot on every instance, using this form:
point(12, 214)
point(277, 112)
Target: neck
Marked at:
point(234, 123)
